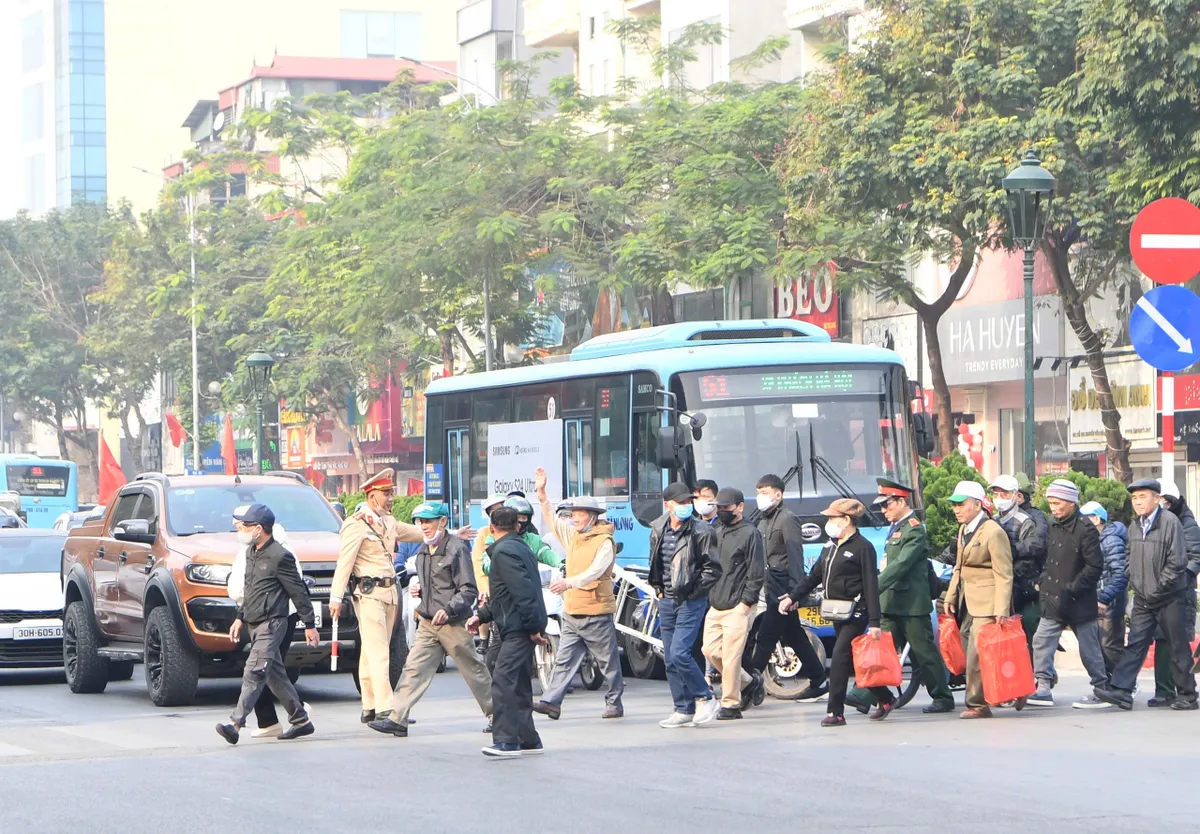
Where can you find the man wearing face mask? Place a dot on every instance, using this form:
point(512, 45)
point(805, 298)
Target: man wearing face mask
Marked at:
point(589, 604)
point(783, 544)
point(447, 593)
point(1028, 545)
point(705, 504)
point(733, 600)
point(683, 569)
point(368, 542)
point(271, 581)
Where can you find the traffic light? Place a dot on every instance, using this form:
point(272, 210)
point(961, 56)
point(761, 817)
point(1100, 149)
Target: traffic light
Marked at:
point(270, 455)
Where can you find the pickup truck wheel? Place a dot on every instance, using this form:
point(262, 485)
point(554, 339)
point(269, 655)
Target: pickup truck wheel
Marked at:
point(86, 670)
point(121, 670)
point(172, 670)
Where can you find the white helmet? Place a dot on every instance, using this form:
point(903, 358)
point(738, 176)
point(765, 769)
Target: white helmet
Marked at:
point(1168, 489)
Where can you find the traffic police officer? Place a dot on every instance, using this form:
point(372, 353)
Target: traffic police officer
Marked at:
point(905, 599)
point(365, 566)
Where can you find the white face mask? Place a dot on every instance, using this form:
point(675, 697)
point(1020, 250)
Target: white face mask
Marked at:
point(245, 537)
point(834, 530)
point(1003, 505)
point(437, 537)
point(704, 508)
point(765, 502)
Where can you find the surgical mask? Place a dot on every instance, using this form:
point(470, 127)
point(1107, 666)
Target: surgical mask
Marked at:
point(726, 517)
point(683, 511)
point(1003, 505)
point(834, 530)
point(765, 502)
point(245, 537)
point(704, 508)
point(583, 528)
point(432, 540)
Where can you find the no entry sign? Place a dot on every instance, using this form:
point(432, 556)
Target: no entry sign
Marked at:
point(1165, 241)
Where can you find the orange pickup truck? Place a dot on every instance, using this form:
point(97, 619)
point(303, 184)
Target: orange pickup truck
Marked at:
point(147, 583)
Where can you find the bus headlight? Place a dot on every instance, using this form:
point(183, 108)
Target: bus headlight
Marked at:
point(208, 574)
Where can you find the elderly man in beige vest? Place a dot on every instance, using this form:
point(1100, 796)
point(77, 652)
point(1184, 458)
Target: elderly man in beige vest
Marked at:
point(588, 624)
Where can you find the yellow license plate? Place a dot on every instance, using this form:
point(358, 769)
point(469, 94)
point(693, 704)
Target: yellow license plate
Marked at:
point(813, 615)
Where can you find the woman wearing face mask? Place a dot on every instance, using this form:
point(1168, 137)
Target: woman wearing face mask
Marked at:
point(264, 708)
point(848, 570)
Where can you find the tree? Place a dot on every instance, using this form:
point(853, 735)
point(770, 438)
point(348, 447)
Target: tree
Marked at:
point(937, 485)
point(910, 133)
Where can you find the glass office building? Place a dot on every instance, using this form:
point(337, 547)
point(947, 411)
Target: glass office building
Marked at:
point(80, 117)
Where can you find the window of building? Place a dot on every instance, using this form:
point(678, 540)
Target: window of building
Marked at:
point(607, 90)
point(382, 34)
point(591, 80)
point(706, 305)
point(591, 27)
point(33, 113)
point(32, 43)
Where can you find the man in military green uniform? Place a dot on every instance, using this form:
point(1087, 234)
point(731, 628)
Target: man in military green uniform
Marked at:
point(904, 596)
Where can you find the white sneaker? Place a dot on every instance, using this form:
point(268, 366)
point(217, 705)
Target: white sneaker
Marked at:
point(677, 719)
point(1091, 702)
point(706, 711)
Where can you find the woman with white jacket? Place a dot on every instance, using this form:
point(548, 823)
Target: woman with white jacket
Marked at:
point(264, 708)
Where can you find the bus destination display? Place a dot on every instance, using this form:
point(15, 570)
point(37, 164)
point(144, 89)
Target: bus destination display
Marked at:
point(775, 384)
point(50, 481)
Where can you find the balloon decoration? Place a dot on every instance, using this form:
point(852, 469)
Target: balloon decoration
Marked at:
point(970, 444)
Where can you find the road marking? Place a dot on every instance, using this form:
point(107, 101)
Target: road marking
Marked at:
point(13, 750)
point(1184, 345)
point(1171, 241)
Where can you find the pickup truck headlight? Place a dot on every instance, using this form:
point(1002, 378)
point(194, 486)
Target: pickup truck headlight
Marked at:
point(208, 574)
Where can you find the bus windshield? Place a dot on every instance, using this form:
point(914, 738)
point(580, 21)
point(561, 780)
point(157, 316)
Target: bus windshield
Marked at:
point(844, 427)
point(46, 480)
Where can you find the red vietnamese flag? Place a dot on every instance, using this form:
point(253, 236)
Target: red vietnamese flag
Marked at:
point(178, 432)
point(228, 447)
point(112, 477)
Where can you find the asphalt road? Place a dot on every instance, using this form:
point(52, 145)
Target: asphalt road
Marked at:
point(113, 762)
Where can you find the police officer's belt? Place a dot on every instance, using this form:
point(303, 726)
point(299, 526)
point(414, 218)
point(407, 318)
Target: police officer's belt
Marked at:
point(366, 584)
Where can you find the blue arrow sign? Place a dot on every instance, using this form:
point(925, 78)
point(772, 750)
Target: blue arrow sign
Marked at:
point(1165, 328)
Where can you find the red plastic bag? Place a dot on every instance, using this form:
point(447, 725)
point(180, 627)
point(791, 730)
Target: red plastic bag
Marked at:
point(950, 645)
point(1004, 661)
point(876, 662)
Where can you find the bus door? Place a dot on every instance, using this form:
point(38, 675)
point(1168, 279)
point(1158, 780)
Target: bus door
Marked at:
point(458, 456)
point(579, 456)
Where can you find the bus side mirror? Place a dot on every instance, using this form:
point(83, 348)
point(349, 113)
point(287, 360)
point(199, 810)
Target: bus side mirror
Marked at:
point(923, 433)
point(667, 453)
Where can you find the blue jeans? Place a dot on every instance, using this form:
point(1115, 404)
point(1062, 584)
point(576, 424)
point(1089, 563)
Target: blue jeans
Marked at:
point(680, 624)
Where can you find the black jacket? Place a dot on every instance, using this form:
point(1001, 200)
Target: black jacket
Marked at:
point(515, 605)
point(271, 580)
point(695, 567)
point(854, 574)
point(783, 549)
point(1028, 543)
point(1191, 535)
point(447, 579)
point(740, 549)
point(1074, 565)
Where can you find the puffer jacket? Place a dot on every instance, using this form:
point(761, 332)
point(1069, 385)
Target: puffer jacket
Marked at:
point(1029, 554)
point(1191, 536)
point(1114, 544)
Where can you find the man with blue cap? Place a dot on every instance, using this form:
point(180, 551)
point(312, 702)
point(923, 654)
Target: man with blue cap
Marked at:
point(447, 595)
point(271, 580)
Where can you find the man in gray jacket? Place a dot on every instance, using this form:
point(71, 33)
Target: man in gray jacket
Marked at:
point(447, 594)
point(1157, 574)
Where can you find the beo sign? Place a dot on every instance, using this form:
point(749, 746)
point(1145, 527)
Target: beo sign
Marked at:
point(1132, 385)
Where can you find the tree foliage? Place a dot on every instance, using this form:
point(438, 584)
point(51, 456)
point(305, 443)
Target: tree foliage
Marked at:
point(937, 485)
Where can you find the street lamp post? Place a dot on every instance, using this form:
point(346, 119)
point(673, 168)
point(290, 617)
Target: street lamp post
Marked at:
point(259, 364)
point(1030, 189)
point(458, 77)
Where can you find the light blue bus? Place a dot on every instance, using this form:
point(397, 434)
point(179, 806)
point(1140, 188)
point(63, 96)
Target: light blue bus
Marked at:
point(725, 400)
point(47, 487)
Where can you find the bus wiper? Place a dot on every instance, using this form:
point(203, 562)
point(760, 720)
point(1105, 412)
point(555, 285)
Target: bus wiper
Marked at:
point(797, 469)
point(819, 464)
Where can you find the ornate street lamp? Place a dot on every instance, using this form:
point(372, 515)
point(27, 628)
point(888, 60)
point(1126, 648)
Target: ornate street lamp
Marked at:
point(259, 365)
point(1030, 189)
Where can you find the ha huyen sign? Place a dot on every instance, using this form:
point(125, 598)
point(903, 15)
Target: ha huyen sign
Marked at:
point(986, 343)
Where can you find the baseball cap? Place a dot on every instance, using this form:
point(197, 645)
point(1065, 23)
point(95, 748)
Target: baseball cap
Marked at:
point(967, 489)
point(730, 497)
point(431, 510)
point(678, 493)
point(259, 514)
point(1094, 508)
point(1007, 483)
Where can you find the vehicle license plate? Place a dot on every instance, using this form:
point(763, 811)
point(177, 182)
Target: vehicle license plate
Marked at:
point(317, 607)
point(37, 632)
point(813, 615)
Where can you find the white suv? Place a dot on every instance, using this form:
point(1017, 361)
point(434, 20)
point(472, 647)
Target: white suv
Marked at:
point(30, 598)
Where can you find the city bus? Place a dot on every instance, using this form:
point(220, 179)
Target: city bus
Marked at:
point(630, 412)
point(47, 488)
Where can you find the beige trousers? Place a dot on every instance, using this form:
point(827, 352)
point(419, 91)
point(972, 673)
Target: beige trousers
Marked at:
point(724, 639)
point(970, 632)
point(429, 644)
point(376, 622)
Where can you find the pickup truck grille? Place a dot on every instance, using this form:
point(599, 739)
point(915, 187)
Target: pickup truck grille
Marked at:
point(9, 616)
point(318, 576)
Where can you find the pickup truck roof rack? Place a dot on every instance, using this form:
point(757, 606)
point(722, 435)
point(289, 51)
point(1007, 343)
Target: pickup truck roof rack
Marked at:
point(283, 473)
point(154, 476)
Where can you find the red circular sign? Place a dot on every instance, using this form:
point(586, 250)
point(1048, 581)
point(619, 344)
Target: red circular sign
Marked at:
point(1165, 241)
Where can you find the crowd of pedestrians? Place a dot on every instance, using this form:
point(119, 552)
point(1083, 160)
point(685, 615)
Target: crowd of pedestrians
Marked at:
point(711, 559)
